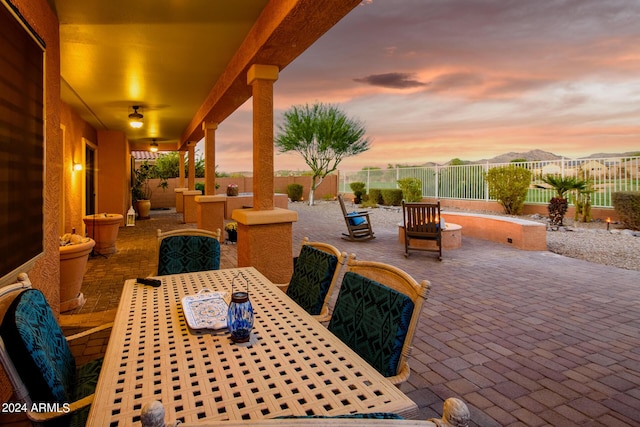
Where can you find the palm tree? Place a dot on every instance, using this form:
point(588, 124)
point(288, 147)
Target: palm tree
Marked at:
point(558, 205)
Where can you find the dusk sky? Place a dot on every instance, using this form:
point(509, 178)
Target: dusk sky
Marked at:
point(434, 80)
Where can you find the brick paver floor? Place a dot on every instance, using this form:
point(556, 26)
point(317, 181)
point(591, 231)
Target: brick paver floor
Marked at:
point(525, 338)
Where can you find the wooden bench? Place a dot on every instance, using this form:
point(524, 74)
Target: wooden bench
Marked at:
point(516, 232)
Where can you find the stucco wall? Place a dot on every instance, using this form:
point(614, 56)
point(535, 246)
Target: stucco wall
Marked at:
point(46, 273)
point(76, 132)
point(166, 198)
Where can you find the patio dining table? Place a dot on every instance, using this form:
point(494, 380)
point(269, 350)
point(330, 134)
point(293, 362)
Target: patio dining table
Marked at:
point(292, 365)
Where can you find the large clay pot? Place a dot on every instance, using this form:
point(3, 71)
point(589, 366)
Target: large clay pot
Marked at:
point(143, 207)
point(106, 231)
point(73, 263)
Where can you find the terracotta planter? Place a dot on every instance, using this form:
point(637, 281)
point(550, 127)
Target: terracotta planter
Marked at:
point(143, 207)
point(106, 231)
point(73, 263)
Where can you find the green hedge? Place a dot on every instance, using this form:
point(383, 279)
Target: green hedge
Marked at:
point(627, 205)
point(294, 191)
point(375, 196)
point(392, 197)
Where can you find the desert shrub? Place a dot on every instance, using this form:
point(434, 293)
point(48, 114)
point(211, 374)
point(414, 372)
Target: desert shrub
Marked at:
point(375, 196)
point(509, 186)
point(359, 189)
point(627, 205)
point(294, 191)
point(368, 204)
point(200, 186)
point(411, 189)
point(392, 197)
point(328, 197)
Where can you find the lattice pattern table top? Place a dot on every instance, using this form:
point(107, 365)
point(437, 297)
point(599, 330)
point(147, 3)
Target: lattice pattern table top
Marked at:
point(292, 366)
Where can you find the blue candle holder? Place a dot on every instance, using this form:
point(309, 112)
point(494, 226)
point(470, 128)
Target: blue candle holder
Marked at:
point(240, 314)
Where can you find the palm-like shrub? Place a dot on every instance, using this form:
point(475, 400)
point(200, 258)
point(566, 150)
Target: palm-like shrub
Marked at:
point(558, 205)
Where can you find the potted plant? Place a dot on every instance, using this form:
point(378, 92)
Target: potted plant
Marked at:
point(232, 231)
point(232, 190)
point(74, 254)
point(141, 190)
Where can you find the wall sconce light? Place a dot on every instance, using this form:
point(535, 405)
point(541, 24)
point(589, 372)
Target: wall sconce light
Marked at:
point(77, 167)
point(135, 118)
point(154, 146)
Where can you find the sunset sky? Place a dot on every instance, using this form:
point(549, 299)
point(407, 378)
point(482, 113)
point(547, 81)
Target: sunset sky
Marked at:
point(434, 80)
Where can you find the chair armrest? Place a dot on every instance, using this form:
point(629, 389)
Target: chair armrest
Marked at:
point(357, 215)
point(90, 331)
point(41, 417)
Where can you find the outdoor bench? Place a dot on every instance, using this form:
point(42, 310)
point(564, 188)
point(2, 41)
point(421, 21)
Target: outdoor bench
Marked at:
point(519, 233)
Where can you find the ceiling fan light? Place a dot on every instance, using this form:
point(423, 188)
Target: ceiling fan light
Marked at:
point(153, 147)
point(135, 118)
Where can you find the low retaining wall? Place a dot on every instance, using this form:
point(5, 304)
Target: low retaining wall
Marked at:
point(516, 232)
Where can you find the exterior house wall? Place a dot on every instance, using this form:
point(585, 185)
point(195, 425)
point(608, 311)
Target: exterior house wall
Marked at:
point(45, 274)
point(76, 132)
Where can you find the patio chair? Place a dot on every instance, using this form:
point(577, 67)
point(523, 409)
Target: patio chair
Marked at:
point(376, 314)
point(315, 274)
point(37, 358)
point(422, 222)
point(358, 224)
point(187, 251)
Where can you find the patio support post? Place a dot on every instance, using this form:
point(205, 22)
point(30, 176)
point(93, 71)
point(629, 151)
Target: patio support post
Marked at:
point(209, 157)
point(180, 188)
point(265, 231)
point(211, 207)
point(181, 171)
point(190, 209)
point(192, 165)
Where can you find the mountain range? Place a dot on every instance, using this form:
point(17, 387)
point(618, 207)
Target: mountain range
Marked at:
point(535, 155)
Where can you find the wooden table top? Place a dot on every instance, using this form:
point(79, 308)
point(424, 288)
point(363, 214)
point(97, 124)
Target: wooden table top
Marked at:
point(292, 366)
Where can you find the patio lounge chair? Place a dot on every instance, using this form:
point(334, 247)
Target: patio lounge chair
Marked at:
point(422, 222)
point(376, 314)
point(187, 251)
point(37, 358)
point(358, 224)
point(315, 274)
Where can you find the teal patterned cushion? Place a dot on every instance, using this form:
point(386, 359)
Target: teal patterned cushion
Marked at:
point(311, 278)
point(42, 357)
point(373, 320)
point(188, 254)
point(39, 349)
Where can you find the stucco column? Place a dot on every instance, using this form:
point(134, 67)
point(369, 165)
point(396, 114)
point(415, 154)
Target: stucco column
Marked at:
point(181, 171)
point(264, 231)
point(192, 165)
point(209, 157)
point(261, 78)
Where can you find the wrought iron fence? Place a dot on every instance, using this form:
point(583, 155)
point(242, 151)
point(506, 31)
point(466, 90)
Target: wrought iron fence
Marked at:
point(605, 176)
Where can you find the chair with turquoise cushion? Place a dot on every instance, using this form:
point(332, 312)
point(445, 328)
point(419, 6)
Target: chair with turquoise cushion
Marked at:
point(358, 223)
point(376, 314)
point(314, 277)
point(37, 358)
point(188, 251)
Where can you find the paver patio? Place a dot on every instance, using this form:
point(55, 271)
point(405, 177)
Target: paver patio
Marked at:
point(525, 338)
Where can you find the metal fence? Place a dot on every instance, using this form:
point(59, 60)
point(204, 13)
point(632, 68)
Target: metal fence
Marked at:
point(605, 177)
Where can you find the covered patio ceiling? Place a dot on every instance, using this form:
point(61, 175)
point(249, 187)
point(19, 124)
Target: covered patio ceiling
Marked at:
point(181, 62)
